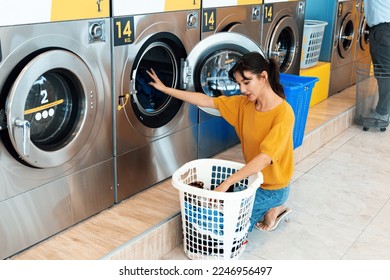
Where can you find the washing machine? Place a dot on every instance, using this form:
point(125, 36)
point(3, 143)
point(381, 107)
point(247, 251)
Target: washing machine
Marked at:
point(362, 56)
point(56, 148)
point(283, 24)
point(215, 134)
point(344, 46)
point(155, 133)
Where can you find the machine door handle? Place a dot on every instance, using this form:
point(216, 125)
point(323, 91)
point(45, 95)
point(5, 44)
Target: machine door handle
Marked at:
point(133, 91)
point(185, 74)
point(279, 53)
point(25, 141)
point(349, 37)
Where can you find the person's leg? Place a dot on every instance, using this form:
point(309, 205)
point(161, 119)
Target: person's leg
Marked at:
point(380, 54)
point(265, 201)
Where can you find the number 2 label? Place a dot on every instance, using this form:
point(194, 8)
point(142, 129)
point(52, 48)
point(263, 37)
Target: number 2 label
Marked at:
point(44, 97)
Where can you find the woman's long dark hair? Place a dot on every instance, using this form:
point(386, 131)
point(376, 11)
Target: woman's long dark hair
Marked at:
point(255, 63)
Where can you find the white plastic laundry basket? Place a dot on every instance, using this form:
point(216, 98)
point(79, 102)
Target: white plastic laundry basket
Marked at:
point(313, 32)
point(215, 224)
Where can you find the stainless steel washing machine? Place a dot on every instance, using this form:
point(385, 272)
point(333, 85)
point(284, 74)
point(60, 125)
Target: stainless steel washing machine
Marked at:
point(56, 148)
point(344, 46)
point(283, 24)
point(215, 134)
point(155, 133)
point(362, 56)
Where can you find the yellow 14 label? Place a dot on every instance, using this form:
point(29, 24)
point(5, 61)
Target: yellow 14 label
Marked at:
point(123, 31)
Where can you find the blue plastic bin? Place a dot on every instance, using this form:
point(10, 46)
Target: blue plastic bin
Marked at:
point(298, 91)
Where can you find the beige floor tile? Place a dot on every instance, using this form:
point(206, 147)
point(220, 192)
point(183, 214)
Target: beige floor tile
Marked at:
point(335, 201)
point(312, 160)
point(380, 225)
point(369, 144)
point(343, 138)
point(297, 174)
point(369, 247)
point(357, 175)
point(305, 237)
point(375, 164)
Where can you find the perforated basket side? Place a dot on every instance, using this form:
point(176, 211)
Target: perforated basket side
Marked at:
point(313, 33)
point(215, 225)
point(212, 172)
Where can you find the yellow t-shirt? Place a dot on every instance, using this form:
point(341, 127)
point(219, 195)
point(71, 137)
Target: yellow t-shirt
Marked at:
point(263, 132)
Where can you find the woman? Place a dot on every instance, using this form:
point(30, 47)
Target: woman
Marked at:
point(264, 123)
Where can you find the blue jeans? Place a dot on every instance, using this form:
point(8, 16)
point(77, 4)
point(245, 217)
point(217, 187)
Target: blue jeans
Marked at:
point(265, 200)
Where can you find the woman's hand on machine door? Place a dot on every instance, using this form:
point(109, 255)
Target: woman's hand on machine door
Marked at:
point(156, 83)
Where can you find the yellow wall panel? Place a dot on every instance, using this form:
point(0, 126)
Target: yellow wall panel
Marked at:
point(178, 5)
point(249, 2)
point(79, 9)
point(321, 88)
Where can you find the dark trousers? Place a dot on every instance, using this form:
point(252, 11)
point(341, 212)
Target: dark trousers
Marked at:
point(379, 40)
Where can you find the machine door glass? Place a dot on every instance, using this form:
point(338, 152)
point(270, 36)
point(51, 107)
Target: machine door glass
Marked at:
point(50, 110)
point(214, 73)
point(207, 66)
point(152, 108)
point(282, 44)
point(346, 34)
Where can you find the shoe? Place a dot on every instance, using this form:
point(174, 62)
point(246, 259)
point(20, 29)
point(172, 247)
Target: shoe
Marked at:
point(280, 217)
point(375, 115)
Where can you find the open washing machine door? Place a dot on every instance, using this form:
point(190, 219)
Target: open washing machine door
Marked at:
point(50, 110)
point(207, 66)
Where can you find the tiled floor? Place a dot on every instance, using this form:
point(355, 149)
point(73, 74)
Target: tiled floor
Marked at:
point(340, 196)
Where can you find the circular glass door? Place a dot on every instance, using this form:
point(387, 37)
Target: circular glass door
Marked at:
point(50, 109)
point(346, 34)
point(206, 67)
point(282, 42)
point(153, 108)
point(363, 34)
point(214, 73)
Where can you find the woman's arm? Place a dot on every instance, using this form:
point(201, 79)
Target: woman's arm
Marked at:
point(196, 98)
point(254, 166)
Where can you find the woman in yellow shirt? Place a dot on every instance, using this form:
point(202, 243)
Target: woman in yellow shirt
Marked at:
point(264, 123)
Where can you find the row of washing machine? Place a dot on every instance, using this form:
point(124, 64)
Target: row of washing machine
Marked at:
point(80, 127)
point(345, 41)
point(191, 49)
